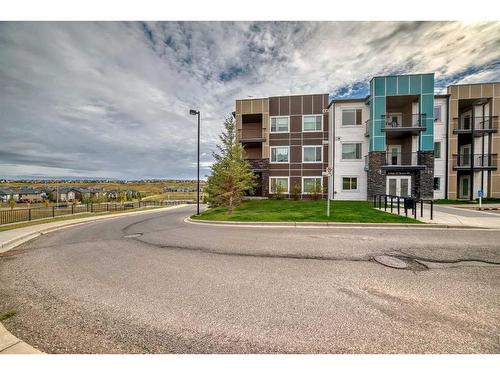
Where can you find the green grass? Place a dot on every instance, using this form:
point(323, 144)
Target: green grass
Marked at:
point(456, 201)
point(285, 210)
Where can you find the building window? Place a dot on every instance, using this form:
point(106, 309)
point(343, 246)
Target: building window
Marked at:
point(437, 113)
point(437, 150)
point(312, 154)
point(351, 117)
point(279, 125)
point(279, 154)
point(312, 185)
point(351, 151)
point(312, 123)
point(349, 183)
point(437, 183)
point(278, 184)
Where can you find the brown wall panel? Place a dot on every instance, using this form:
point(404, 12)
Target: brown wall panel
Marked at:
point(317, 104)
point(312, 172)
point(488, 90)
point(313, 141)
point(296, 154)
point(312, 166)
point(296, 105)
point(274, 107)
point(246, 107)
point(284, 105)
point(307, 104)
point(475, 91)
point(296, 141)
point(295, 123)
point(497, 90)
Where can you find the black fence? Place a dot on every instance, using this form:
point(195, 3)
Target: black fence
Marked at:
point(9, 216)
point(393, 203)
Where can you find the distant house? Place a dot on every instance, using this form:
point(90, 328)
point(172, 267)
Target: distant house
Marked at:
point(30, 195)
point(88, 193)
point(64, 194)
point(5, 195)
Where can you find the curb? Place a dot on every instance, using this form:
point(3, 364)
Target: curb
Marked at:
point(10, 344)
point(326, 224)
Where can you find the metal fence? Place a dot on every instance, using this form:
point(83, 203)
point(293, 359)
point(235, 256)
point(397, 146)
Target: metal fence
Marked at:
point(29, 214)
point(393, 203)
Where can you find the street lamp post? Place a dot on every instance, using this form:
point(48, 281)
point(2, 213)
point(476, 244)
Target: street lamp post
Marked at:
point(194, 112)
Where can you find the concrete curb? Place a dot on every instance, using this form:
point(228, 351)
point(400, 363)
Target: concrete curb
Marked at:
point(10, 344)
point(317, 225)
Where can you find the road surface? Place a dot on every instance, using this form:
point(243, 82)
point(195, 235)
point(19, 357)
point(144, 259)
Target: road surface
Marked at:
point(155, 284)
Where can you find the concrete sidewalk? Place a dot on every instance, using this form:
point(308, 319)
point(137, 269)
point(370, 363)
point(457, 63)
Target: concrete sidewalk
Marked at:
point(451, 215)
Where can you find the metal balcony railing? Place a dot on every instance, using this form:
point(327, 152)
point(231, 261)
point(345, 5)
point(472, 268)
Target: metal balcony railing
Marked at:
point(367, 162)
point(401, 158)
point(398, 121)
point(475, 161)
point(479, 123)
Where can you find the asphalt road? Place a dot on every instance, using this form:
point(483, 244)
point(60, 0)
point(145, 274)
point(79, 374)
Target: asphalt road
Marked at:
point(154, 284)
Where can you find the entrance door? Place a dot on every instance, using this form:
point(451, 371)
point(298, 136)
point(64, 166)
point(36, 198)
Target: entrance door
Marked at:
point(465, 156)
point(398, 185)
point(394, 155)
point(464, 190)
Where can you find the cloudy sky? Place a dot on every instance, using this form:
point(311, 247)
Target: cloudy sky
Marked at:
point(112, 99)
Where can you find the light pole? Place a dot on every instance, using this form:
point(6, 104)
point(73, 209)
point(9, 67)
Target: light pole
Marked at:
point(194, 112)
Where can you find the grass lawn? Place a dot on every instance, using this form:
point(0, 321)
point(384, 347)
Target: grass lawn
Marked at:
point(286, 210)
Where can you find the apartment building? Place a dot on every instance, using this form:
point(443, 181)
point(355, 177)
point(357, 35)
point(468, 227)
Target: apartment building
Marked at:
point(401, 139)
point(286, 141)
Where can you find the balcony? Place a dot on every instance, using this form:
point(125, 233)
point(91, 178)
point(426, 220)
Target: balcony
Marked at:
point(476, 161)
point(251, 137)
point(402, 161)
point(403, 123)
point(479, 125)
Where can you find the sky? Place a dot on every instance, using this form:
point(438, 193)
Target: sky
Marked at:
point(112, 99)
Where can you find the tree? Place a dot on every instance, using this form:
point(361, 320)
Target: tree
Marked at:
point(296, 191)
point(231, 175)
point(12, 202)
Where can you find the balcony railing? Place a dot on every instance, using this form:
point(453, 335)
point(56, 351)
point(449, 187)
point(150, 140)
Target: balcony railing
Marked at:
point(399, 159)
point(479, 123)
point(367, 162)
point(402, 121)
point(367, 127)
point(478, 161)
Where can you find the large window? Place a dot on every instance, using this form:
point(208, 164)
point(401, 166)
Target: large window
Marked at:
point(278, 185)
point(312, 154)
point(279, 154)
point(351, 117)
point(312, 123)
point(437, 150)
point(279, 125)
point(312, 185)
point(349, 183)
point(351, 151)
point(437, 183)
point(437, 113)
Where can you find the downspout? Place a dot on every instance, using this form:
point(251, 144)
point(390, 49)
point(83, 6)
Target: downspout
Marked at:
point(447, 147)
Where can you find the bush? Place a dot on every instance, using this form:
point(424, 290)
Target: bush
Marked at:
point(296, 191)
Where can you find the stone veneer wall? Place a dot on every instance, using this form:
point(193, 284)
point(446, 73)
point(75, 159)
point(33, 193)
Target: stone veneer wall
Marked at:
point(262, 166)
point(425, 177)
point(376, 180)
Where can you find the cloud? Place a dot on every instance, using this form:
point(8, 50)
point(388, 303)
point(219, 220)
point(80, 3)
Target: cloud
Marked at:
point(112, 98)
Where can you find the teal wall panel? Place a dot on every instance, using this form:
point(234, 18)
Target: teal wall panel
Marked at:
point(415, 85)
point(403, 85)
point(427, 110)
point(391, 86)
point(428, 84)
point(379, 86)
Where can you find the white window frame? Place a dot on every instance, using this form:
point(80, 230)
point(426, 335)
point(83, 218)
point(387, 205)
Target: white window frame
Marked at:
point(440, 149)
point(312, 162)
point(271, 184)
point(349, 190)
point(312, 131)
point(278, 132)
point(342, 125)
point(304, 177)
point(351, 143)
point(278, 162)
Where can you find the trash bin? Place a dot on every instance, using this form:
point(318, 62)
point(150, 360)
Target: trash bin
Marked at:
point(409, 203)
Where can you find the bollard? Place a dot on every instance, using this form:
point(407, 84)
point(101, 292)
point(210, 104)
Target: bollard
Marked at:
point(392, 198)
point(432, 208)
point(399, 206)
point(415, 209)
point(385, 202)
point(421, 208)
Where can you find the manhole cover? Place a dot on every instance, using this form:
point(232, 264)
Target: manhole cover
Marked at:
point(133, 235)
point(389, 261)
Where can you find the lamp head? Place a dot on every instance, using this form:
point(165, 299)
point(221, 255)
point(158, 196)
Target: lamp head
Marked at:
point(193, 112)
